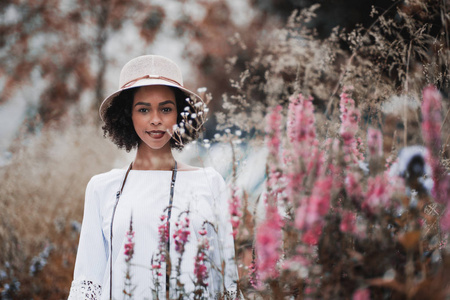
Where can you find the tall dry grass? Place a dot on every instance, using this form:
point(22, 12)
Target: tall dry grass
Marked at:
point(41, 206)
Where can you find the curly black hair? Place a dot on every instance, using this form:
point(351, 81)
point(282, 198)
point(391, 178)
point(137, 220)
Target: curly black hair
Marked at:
point(119, 125)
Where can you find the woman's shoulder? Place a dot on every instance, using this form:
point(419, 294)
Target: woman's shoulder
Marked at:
point(208, 171)
point(107, 178)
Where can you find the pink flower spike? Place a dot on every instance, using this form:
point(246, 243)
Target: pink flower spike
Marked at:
point(300, 125)
point(273, 131)
point(235, 211)
point(181, 235)
point(200, 268)
point(431, 118)
point(361, 294)
point(268, 244)
point(378, 195)
point(431, 128)
point(348, 222)
point(129, 247)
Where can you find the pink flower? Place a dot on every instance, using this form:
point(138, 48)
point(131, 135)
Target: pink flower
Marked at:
point(352, 186)
point(273, 131)
point(268, 244)
point(431, 128)
point(163, 231)
point(378, 195)
point(129, 247)
point(361, 294)
point(200, 269)
point(348, 222)
point(312, 235)
point(235, 212)
point(312, 209)
point(349, 126)
point(375, 142)
point(181, 234)
point(431, 118)
point(163, 234)
point(300, 125)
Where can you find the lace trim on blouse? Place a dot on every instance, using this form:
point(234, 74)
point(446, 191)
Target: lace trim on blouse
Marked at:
point(85, 289)
point(229, 295)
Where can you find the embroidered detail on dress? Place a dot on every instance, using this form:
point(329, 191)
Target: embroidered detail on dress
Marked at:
point(229, 295)
point(85, 289)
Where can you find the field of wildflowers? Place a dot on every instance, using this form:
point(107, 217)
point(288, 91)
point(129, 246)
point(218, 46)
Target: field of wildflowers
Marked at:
point(354, 203)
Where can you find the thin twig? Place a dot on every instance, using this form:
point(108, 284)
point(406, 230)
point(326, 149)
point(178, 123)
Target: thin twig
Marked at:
point(350, 60)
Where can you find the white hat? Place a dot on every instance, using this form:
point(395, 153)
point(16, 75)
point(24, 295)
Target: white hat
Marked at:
point(148, 70)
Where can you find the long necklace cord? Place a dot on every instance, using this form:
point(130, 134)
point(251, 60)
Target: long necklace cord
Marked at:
point(169, 214)
point(118, 194)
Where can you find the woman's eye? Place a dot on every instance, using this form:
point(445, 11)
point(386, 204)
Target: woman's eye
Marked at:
point(166, 109)
point(143, 110)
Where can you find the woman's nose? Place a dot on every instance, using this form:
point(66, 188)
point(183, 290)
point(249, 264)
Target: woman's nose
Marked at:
point(155, 119)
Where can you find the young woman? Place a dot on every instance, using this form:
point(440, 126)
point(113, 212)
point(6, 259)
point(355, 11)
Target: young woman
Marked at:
point(154, 113)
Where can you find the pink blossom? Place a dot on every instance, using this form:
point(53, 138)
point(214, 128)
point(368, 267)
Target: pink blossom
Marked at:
point(348, 222)
point(235, 211)
point(163, 234)
point(378, 195)
point(313, 208)
point(312, 235)
point(300, 125)
point(431, 128)
point(181, 234)
point(129, 246)
point(349, 126)
point(375, 142)
point(163, 231)
point(268, 244)
point(273, 131)
point(200, 269)
point(361, 294)
point(431, 118)
point(353, 186)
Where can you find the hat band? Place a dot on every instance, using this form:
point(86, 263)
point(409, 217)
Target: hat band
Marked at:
point(131, 82)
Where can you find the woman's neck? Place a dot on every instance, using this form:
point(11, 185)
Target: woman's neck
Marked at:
point(153, 159)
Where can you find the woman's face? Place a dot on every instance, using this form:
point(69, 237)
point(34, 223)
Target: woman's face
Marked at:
point(154, 113)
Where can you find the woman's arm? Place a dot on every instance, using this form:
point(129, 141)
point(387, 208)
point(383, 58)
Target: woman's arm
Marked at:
point(92, 252)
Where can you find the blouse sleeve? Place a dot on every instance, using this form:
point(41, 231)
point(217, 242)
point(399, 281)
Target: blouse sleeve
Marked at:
point(92, 252)
point(225, 236)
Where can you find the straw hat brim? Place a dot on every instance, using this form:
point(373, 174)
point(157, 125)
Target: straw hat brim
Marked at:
point(145, 82)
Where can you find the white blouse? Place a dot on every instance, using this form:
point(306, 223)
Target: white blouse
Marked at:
point(145, 197)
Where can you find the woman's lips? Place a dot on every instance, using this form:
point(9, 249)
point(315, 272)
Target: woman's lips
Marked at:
point(156, 134)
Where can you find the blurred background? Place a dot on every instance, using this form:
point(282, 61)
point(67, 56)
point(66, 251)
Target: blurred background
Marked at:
point(60, 58)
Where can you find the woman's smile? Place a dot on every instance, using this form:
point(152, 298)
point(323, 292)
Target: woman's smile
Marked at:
point(156, 134)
